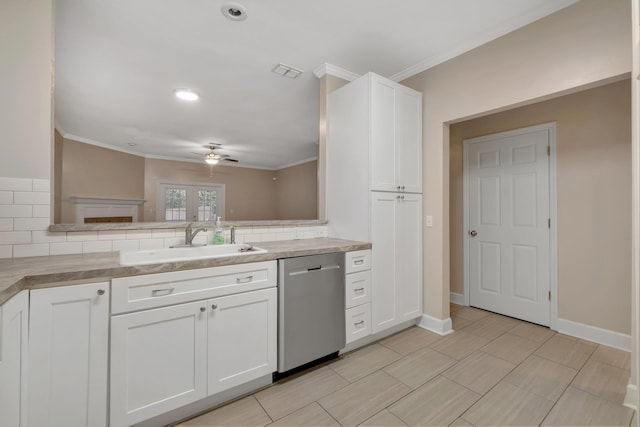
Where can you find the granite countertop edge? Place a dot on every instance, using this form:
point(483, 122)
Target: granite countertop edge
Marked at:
point(60, 270)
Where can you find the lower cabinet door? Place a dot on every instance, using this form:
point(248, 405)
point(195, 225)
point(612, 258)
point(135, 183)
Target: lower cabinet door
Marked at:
point(158, 361)
point(242, 338)
point(68, 356)
point(14, 321)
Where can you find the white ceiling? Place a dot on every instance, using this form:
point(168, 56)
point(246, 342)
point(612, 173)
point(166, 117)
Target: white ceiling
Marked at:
point(118, 62)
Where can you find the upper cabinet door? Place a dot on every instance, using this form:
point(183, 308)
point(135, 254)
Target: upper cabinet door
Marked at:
point(396, 137)
point(383, 135)
point(409, 139)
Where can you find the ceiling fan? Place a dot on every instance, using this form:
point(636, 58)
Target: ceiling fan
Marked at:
point(213, 158)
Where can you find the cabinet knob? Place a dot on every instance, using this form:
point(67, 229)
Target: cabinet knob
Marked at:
point(214, 306)
point(402, 188)
point(203, 309)
point(101, 291)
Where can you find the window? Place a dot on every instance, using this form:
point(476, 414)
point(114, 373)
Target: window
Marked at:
point(189, 202)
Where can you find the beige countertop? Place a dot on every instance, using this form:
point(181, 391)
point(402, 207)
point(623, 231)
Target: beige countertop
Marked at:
point(37, 272)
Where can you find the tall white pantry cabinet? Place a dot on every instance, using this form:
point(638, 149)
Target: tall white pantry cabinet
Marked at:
point(374, 188)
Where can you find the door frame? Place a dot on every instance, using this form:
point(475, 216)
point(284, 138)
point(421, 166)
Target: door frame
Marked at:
point(553, 232)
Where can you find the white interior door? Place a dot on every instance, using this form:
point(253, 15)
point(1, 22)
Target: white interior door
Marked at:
point(508, 218)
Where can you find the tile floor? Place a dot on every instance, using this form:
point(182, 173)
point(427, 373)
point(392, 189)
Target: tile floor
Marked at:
point(493, 370)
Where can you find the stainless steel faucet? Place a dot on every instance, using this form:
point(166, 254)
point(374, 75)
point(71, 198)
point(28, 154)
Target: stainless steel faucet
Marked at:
point(233, 235)
point(190, 233)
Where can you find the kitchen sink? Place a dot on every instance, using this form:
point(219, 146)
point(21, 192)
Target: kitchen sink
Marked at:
point(186, 253)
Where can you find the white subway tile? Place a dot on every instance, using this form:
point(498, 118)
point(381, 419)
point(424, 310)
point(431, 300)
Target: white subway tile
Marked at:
point(43, 185)
point(201, 239)
point(30, 224)
point(16, 211)
point(161, 234)
point(65, 248)
point(81, 236)
point(16, 184)
point(139, 234)
point(126, 245)
point(48, 237)
point(6, 251)
point(15, 237)
point(31, 198)
point(268, 237)
point(96, 246)
point(6, 197)
point(285, 236)
point(146, 244)
point(112, 235)
point(6, 224)
point(42, 211)
point(38, 249)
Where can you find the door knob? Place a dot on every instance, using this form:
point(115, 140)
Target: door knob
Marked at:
point(473, 233)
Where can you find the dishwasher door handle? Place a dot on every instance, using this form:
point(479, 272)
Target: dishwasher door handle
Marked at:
point(314, 269)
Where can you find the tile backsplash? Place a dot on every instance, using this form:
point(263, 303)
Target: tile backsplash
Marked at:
point(25, 208)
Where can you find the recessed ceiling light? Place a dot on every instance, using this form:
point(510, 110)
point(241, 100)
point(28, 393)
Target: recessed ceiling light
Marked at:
point(132, 144)
point(186, 94)
point(234, 11)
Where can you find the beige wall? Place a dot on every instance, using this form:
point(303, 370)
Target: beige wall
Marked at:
point(26, 52)
point(580, 45)
point(91, 171)
point(328, 84)
point(249, 193)
point(593, 134)
point(297, 192)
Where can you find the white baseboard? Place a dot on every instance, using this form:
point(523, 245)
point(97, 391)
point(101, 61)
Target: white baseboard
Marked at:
point(456, 298)
point(439, 326)
point(631, 398)
point(595, 334)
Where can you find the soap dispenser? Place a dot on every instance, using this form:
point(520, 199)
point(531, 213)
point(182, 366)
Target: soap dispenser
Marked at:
point(218, 238)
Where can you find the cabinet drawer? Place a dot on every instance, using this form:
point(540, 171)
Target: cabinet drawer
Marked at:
point(358, 321)
point(357, 261)
point(358, 288)
point(157, 290)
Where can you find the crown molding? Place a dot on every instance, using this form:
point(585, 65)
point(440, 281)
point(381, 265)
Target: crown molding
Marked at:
point(332, 70)
point(482, 38)
point(99, 144)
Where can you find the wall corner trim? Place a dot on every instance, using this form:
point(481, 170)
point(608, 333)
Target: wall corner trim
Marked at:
point(595, 334)
point(324, 69)
point(439, 326)
point(631, 397)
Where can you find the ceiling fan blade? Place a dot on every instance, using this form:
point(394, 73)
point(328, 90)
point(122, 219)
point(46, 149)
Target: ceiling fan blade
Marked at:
point(230, 160)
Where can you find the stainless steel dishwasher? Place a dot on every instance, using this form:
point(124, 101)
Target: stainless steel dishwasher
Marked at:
point(311, 320)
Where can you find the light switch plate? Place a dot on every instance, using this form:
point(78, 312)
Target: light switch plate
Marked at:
point(428, 221)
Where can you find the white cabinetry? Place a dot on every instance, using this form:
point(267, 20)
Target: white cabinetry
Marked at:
point(68, 351)
point(396, 162)
point(167, 357)
point(374, 181)
point(14, 323)
point(357, 294)
point(396, 258)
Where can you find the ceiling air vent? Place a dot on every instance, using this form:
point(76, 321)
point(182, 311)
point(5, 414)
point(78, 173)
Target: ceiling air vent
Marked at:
point(286, 71)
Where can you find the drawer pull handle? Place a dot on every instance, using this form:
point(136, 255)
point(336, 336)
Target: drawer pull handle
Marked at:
point(359, 290)
point(165, 291)
point(358, 262)
point(101, 291)
point(244, 279)
point(214, 306)
point(359, 324)
point(203, 309)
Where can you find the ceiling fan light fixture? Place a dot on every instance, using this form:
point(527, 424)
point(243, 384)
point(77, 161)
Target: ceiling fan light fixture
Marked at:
point(211, 158)
point(234, 11)
point(186, 94)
